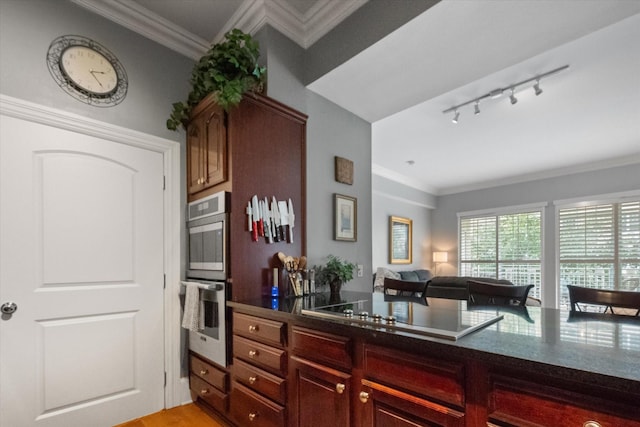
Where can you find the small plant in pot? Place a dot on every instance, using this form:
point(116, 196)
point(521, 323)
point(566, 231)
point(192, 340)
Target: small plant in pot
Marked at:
point(229, 69)
point(335, 272)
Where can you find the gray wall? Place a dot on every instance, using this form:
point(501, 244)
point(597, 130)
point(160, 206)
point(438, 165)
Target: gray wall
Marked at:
point(393, 199)
point(331, 131)
point(444, 221)
point(157, 76)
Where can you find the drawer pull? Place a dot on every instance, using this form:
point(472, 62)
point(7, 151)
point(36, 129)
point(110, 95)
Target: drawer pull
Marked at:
point(204, 391)
point(591, 424)
point(364, 397)
point(252, 379)
point(340, 388)
point(253, 328)
point(252, 416)
point(253, 353)
point(204, 372)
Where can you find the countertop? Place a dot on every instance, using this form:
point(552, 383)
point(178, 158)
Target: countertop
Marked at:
point(602, 350)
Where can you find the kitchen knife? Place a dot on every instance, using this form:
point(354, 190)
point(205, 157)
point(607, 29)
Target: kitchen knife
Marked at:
point(249, 218)
point(266, 217)
point(275, 212)
point(284, 219)
point(255, 213)
point(292, 221)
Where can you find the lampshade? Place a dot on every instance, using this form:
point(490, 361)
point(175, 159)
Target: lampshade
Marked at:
point(440, 257)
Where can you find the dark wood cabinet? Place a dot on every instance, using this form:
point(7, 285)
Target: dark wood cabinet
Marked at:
point(387, 406)
point(259, 371)
point(337, 375)
point(208, 383)
point(321, 395)
point(257, 148)
point(206, 150)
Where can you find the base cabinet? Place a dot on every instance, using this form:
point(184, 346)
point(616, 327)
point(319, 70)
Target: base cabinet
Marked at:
point(208, 383)
point(383, 406)
point(287, 373)
point(322, 394)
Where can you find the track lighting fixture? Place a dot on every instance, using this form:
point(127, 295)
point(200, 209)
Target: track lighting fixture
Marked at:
point(496, 93)
point(536, 88)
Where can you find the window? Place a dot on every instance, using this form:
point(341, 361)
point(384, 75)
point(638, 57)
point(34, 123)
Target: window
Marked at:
point(504, 246)
point(599, 246)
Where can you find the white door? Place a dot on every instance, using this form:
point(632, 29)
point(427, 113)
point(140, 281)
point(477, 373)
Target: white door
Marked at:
point(81, 255)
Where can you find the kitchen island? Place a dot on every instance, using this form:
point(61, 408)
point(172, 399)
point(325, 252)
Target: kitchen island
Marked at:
point(532, 366)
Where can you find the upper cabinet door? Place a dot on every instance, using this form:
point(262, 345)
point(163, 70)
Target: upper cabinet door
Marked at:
point(206, 151)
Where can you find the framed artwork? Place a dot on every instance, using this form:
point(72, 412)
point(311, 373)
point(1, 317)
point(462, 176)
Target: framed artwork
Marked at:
point(344, 170)
point(345, 218)
point(400, 240)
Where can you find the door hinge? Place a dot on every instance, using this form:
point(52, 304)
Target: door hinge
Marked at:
point(164, 281)
point(164, 182)
point(165, 378)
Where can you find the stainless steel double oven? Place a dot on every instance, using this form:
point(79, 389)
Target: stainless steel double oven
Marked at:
point(207, 267)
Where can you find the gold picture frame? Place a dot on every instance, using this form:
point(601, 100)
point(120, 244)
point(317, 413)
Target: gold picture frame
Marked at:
point(400, 240)
point(345, 218)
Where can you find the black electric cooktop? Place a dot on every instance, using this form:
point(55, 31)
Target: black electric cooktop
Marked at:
point(434, 317)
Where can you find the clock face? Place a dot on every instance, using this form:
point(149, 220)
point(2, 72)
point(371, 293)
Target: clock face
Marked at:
point(87, 71)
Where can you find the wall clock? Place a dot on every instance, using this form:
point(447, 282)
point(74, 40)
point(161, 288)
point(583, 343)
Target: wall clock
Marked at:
point(87, 71)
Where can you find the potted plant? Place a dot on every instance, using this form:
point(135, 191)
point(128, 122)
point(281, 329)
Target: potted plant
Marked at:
point(228, 70)
point(335, 272)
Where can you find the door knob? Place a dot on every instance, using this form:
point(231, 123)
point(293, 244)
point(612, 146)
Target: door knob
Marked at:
point(9, 307)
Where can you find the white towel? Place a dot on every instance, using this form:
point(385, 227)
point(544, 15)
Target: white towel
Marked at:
point(193, 317)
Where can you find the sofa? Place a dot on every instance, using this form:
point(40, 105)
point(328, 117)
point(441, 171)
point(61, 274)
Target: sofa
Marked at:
point(452, 287)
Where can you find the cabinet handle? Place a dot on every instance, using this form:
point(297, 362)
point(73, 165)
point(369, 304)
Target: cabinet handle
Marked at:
point(204, 391)
point(253, 353)
point(252, 379)
point(364, 397)
point(591, 424)
point(253, 328)
point(252, 416)
point(340, 388)
point(204, 372)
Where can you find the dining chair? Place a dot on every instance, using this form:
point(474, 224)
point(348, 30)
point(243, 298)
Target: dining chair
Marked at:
point(609, 298)
point(482, 293)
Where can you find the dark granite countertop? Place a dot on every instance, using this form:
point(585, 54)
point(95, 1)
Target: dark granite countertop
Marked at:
point(586, 347)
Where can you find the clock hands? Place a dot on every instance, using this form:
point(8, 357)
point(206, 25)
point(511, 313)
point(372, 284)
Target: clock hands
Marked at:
point(93, 73)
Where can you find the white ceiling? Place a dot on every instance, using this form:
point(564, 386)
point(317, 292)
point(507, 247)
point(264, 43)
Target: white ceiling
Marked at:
point(588, 116)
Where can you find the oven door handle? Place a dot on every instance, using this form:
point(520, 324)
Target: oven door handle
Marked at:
point(208, 287)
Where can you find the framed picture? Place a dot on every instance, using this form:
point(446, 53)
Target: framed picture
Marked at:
point(345, 218)
point(400, 240)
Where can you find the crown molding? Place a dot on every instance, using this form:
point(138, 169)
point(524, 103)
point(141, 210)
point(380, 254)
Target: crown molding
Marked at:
point(303, 29)
point(139, 19)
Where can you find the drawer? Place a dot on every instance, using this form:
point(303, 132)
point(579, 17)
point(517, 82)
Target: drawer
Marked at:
point(259, 329)
point(385, 406)
point(209, 373)
point(271, 386)
point(329, 349)
point(205, 391)
point(261, 355)
point(521, 402)
point(440, 380)
point(249, 408)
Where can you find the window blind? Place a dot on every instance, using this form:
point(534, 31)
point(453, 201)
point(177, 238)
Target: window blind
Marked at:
point(599, 247)
point(506, 246)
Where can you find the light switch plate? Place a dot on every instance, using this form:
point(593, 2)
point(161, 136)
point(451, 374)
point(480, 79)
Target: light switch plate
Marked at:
point(360, 270)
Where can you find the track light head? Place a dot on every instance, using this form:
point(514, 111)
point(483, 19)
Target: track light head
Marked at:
point(536, 88)
point(455, 117)
point(512, 97)
point(476, 108)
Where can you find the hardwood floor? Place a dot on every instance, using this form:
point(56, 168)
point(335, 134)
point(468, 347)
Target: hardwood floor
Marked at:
point(181, 416)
